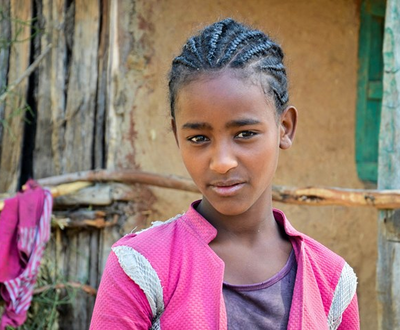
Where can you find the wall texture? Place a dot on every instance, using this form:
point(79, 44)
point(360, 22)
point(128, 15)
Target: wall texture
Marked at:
point(320, 39)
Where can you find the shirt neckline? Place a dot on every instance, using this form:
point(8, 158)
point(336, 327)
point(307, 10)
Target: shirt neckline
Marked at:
point(290, 263)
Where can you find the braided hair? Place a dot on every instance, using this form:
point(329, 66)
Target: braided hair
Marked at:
point(228, 44)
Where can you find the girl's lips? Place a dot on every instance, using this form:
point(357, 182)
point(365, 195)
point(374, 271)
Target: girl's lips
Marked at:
point(227, 190)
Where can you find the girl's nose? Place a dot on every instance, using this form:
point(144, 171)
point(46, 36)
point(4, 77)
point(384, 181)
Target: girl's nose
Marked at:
point(223, 159)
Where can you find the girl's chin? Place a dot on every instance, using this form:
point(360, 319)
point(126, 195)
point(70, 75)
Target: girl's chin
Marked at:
point(226, 207)
point(235, 205)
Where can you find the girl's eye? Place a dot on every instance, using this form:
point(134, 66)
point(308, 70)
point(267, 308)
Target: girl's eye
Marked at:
point(245, 134)
point(198, 139)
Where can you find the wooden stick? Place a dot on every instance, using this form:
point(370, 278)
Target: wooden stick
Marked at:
point(98, 223)
point(387, 199)
point(87, 288)
point(317, 196)
point(126, 176)
point(63, 189)
point(81, 214)
point(26, 74)
point(380, 199)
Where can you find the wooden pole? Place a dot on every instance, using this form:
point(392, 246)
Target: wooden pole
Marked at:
point(76, 285)
point(388, 266)
point(324, 196)
point(62, 189)
point(105, 194)
point(126, 176)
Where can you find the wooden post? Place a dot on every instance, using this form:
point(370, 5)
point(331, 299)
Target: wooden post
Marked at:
point(388, 267)
point(5, 34)
point(50, 128)
point(82, 84)
point(15, 107)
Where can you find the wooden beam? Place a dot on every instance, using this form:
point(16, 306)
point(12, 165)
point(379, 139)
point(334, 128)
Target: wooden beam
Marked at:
point(99, 222)
point(77, 189)
point(125, 176)
point(60, 190)
point(388, 265)
point(76, 285)
point(320, 196)
point(317, 196)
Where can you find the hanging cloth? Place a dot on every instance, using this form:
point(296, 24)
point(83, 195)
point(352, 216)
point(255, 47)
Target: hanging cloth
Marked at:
point(24, 232)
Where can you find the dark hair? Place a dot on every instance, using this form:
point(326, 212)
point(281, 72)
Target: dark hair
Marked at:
point(229, 44)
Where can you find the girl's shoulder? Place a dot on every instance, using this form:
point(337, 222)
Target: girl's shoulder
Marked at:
point(146, 257)
point(158, 231)
point(328, 273)
point(321, 255)
point(315, 252)
point(320, 249)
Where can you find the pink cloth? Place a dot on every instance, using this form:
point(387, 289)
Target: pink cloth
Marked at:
point(191, 275)
point(24, 231)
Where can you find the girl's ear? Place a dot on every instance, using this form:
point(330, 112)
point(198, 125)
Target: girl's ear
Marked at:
point(173, 126)
point(288, 122)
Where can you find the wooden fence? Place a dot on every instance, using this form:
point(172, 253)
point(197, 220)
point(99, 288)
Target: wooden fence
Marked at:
point(56, 85)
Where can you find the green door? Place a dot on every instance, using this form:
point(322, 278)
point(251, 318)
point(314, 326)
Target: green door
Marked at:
point(369, 88)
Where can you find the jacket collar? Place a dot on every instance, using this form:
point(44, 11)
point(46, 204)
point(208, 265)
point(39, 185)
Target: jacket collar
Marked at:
point(207, 232)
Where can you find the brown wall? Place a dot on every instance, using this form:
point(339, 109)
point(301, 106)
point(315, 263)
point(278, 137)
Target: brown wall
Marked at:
point(320, 39)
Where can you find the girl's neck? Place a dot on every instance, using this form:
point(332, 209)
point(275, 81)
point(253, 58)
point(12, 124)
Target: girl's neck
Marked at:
point(256, 222)
point(252, 245)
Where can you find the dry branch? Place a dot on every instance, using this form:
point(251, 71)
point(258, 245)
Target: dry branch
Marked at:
point(62, 189)
point(87, 288)
point(385, 199)
point(317, 196)
point(98, 223)
point(26, 74)
point(100, 194)
point(65, 189)
point(380, 199)
point(125, 176)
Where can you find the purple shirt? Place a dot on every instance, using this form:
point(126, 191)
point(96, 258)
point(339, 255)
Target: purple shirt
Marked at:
point(264, 305)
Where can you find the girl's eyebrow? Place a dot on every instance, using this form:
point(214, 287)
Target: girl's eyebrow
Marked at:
point(242, 122)
point(197, 125)
point(230, 124)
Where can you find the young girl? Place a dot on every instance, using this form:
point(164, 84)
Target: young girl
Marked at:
point(231, 261)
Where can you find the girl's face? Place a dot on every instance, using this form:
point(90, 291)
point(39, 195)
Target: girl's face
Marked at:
point(229, 139)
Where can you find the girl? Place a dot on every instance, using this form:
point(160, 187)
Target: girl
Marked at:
point(231, 261)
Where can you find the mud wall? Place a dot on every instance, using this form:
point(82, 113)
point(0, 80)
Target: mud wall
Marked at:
point(320, 39)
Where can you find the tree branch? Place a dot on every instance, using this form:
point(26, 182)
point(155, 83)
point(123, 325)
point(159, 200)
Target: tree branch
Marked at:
point(26, 74)
point(317, 196)
point(87, 288)
point(380, 199)
point(125, 176)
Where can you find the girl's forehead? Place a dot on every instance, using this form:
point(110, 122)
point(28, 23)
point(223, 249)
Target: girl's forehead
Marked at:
point(221, 78)
point(222, 98)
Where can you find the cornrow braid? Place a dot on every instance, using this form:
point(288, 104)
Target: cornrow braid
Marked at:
point(228, 44)
point(191, 46)
point(259, 50)
point(213, 42)
point(181, 60)
point(234, 45)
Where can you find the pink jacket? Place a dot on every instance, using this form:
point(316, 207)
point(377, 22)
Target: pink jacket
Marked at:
point(177, 281)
